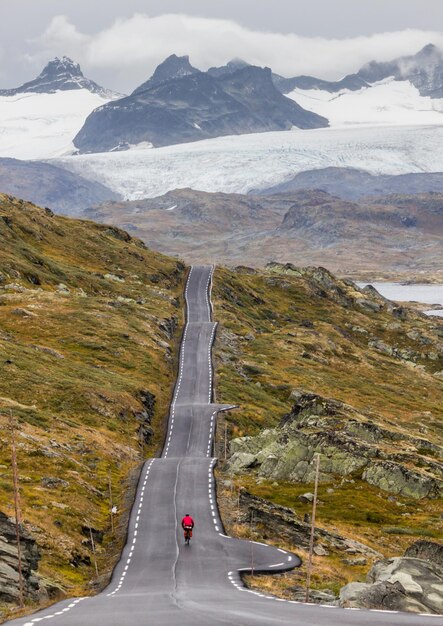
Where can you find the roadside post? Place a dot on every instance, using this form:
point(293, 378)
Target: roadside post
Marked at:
point(311, 542)
point(112, 508)
point(252, 544)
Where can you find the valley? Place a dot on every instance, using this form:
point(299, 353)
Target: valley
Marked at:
point(186, 324)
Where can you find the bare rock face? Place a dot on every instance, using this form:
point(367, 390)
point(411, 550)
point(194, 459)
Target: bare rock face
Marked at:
point(427, 551)
point(180, 104)
point(9, 578)
point(398, 584)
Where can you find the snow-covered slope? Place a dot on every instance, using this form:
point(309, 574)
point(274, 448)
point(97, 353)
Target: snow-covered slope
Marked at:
point(42, 125)
point(388, 102)
point(258, 161)
point(39, 119)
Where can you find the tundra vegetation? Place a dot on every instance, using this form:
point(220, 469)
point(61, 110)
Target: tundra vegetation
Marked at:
point(317, 365)
point(89, 327)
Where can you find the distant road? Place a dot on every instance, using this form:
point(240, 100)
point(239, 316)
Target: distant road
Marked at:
point(159, 580)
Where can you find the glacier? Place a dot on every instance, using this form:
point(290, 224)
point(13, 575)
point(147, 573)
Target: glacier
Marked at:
point(240, 164)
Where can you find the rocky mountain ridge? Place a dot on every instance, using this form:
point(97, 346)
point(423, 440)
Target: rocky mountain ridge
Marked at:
point(180, 104)
point(355, 184)
point(172, 68)
point(424, 70)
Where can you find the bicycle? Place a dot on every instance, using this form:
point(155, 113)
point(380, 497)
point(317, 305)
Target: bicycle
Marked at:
point(188, 534)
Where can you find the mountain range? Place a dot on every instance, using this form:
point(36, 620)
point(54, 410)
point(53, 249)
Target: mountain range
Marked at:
point(424, 70)
point(179, 103)
point(62, 111)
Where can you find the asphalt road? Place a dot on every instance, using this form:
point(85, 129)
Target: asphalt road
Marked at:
point(159, 580)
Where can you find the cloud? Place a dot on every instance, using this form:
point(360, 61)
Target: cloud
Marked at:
point(132, 47)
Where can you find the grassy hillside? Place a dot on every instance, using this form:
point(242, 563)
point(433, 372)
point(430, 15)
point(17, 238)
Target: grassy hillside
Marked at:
point(89, 325)
point(286, 332)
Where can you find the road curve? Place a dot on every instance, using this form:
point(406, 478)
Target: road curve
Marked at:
point(158, 579)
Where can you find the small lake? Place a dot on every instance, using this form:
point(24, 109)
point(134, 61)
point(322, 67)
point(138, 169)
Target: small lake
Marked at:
point(427, 294)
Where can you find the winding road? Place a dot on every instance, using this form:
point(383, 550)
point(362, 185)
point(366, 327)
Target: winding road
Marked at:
point(159, 580)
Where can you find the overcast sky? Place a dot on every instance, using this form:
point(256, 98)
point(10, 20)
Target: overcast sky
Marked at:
point(119, 42)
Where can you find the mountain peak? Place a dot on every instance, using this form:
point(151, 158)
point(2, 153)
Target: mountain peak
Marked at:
point(171, 68)
point(430, 49)
point(424, 70)
point(232, 66)
point(60, 74)
point(59, 70)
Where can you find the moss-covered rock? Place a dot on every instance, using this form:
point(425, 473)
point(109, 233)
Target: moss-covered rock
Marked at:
point(348, 442)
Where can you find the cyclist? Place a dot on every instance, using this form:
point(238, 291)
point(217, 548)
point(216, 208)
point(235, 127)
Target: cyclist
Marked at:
point(187, 525)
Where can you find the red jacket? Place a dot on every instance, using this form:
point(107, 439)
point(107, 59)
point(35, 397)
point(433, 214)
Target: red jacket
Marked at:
point(187, 521)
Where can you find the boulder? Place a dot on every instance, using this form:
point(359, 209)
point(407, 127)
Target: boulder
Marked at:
point(52, 482)
point(306, 497)
point(369, 306)
point(240, 461)
point(398, 584)
point(315, 595)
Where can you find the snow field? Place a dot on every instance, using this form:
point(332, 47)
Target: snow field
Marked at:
point(40, 125)
point(386, 103)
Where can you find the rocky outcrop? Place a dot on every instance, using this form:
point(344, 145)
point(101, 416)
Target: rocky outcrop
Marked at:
point(349, 442)
point(282, 522)
point(145, 430)
point(427, 551)
point(396, 478)
point(398, 584)
point(9, 577)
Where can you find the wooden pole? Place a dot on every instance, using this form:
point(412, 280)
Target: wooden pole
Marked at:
point(252, 544)
point(16, 488)
point(311, 542)
point(111, 504)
